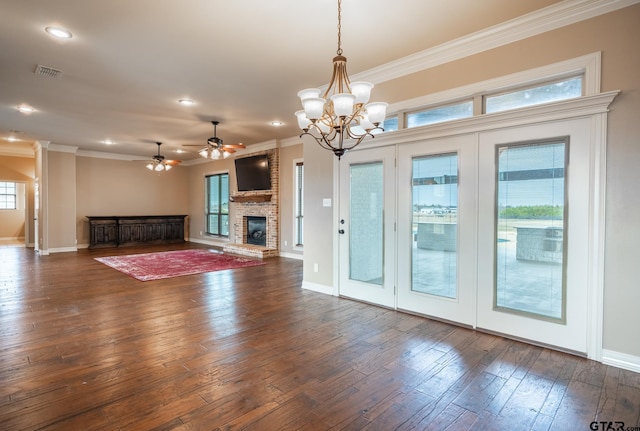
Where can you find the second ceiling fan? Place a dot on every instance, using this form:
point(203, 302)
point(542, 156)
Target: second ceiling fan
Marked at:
point(215, 148)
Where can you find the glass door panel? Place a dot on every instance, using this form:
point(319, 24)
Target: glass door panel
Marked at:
point(530, 229)
point(436, 222)
point(435, 207)
point(366, 223)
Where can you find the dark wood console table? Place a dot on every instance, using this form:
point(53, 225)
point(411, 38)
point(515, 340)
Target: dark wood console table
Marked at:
point(120, 231)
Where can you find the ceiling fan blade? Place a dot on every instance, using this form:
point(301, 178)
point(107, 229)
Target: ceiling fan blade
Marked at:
point(173, 162)
point(235, 145)
point(229, 150)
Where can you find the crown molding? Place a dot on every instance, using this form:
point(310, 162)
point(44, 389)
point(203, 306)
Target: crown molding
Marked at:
point(62, 148)
point(17, 151)
point(113, 156)
point(550, 18)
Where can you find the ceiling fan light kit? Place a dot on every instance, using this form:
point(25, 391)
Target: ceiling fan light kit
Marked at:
point(158, 162)
point(342, 112)
point(216, 149)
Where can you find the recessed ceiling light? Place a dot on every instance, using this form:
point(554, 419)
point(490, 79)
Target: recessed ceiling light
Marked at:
point(186, 102)
point(58, 32)
point(180, 151)
point(277, 123)
point(26, 109)
point(107, 142)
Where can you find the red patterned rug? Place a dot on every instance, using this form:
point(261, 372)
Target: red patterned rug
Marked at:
point(167, 264)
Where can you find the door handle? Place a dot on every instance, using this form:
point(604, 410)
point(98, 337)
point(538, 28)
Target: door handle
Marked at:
point(341, 231)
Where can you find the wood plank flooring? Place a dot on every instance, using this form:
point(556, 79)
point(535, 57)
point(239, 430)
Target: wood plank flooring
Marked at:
point(84, 347)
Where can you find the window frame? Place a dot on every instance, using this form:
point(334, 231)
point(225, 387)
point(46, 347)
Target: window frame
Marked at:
point(565, 140)
point(437, 107)
point(6, 197)
point(298, 207)
point(532, 86)
point(589, 66)
point(207, 204)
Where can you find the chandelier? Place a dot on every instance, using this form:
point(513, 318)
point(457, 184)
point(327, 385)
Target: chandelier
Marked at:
point(343, 111)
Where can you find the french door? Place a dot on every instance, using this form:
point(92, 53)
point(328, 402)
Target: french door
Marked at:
point(367, 226)
point(487, 229)
point(436, 228)
point(534, 239)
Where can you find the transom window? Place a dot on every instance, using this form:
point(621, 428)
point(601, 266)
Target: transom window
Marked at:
point(440, 114)
point(8, 199)
point(565, 80)
point(217, 204)
point(535, 95)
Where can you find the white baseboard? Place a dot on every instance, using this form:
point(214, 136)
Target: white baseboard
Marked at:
point(621, 360)
point(320, 288)
point(208, 242)
point(291, 255)
point(82, 246)
point(61, 250)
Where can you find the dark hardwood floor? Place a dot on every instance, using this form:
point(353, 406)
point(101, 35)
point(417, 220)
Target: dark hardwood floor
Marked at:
point(84, 347)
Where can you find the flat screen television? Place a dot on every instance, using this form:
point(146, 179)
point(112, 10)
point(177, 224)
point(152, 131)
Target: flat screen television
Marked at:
point(253, 173)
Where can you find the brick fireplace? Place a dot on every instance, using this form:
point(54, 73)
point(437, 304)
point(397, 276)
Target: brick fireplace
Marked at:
point(249, 205)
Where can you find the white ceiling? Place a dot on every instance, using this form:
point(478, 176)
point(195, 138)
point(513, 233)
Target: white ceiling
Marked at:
point(242, 62)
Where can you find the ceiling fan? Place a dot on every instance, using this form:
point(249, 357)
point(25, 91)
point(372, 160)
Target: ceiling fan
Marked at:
point(215, 148)
point(158, 162)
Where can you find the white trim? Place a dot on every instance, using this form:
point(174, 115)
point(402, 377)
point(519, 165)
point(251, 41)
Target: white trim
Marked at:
point(112, 156)
point(290, 142)
point(209, 242)
point(62, 148)
point(320, 288)
point(291, 255)
point(621, 360)
point(572, 108)
point(62, 249)
point(598, 177)
point(294, 227)
point(550, 18)
point(17, 151)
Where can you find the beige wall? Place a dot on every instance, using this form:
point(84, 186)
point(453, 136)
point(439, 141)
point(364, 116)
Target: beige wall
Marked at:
point(12, 223)
point(287, 198)
point(615, 35)
point(61, 188)
point(318, 220)
point(107, 187)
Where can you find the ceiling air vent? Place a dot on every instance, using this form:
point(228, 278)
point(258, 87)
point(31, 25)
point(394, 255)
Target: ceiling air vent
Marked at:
point(48, 72)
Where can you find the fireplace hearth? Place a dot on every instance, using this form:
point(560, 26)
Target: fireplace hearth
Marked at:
point(256, 230)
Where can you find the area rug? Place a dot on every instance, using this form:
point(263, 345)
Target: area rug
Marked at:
point(167, 264)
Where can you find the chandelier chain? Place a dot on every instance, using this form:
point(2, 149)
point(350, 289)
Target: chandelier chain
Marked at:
point(339, 51)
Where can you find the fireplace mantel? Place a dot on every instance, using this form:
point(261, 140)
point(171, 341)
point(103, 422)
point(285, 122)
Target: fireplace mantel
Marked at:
point(262, 197)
